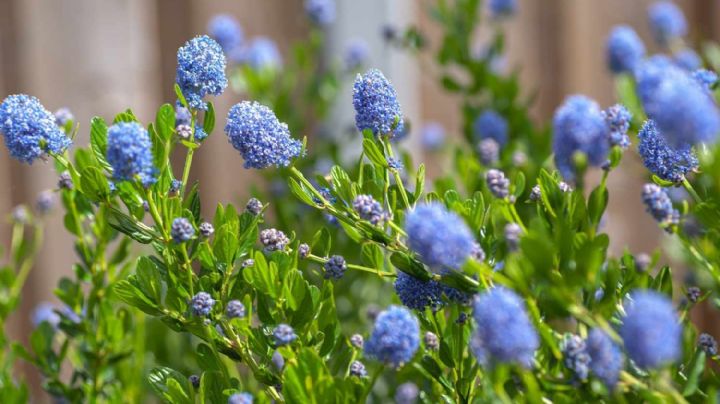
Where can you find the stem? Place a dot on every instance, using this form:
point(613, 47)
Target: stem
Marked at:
point(691, 190)
point(396, 173)
point(322, 261)
point(397, 228)
point(188, 157)
point(516, 217)
point(188, 268)
point(81, 233)
point(155, 215)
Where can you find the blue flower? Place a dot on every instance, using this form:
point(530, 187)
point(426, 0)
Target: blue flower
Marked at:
point(658, 204)
point(357, 369)
point(45, 312)
point(181, 230)
point(624, 49)
point(63, 116)
point(206, 229)
point(579, 127)
point(240, 398)
point(235, 309)
point(440, 237)
point(182, 116)
point(498, 185)
point(369, 209)
point(618, 120)
point(273, 240)
point(489, 152)
point(262, 140)
point(254, 206)
point(395, 337)
point(407, 393)
point(651, 330)
point(708, 344)
point(129, 153)
point(491, 125)
point(335, 267)
point(417, 294)
point(200, 133)
point(668, 163)
point(175, 185)
point(320, 12)
point(504, 331)
point(226, 30)
point(376, 105)
point(667, 22)
point(575, 356)
point(202, 303)
point(284, 334)
point(706, 78)
point(29, 129)
point(356, 54)
point(687, 59)
point(682, 109)
point(432, 136)
point(200, 70)
point(606, 360)
point(261, 54)
point(502, 8)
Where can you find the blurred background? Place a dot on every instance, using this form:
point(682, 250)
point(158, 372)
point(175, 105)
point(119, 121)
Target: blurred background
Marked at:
point(101, 57)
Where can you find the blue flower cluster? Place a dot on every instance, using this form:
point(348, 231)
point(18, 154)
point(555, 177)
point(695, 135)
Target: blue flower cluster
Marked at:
point(502, 8)
point(491, 125)
point(668, 163)
point(202, 303)
point(504, 331)
point(240, 398)
point(706, 78)
point(624, 49)
point(407, 393)
point(579, 127)
point(284, 334)
point(488, 152)
point(335, 267)
point(226, 30)
point(651, 330)
point(129, 153)
point(369, 209)
point(667, 22)
point(45, 312)
point(440, 237)
point(658, 204)
point(575, 356)
point(181, 230)
point(273, 240)
point(200, 70)
point(235, 309)
point(682, 109)
point(606, 360)
point(320, 12)
point(395, 337)
point(261, 54)
point(498, 185)
point(29, 129)
point(418, 295)
point(262, 140)
point(432, 136)
point(618, 119)
point(63, 116)
point(687, 59)
point(356, 54)
point(376, 105)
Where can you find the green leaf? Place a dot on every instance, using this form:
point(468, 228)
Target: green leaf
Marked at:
point(160, 379)
point(165, 122)
point(696, 368)
point(419, 182)
point(148, 276)
point(321, 243)
point(262, 276)
point(211, 388)
point(132, 295)
point(209, 119)
point(300, 192)
point(136, 230)
point(372, 256)
point(98, 141)
point(180, 96)
point(596, 204)
point(94, 184)
point(372, 151)
point(662, 182)
point(410, 266)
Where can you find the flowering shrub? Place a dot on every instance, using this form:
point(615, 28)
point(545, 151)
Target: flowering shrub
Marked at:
point(367, 282)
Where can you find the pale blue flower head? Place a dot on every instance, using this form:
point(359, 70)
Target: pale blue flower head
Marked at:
point(262, 54)
point(320, 12)
point(668, 163)
point(200, 70)
point(491, 124)
point(432, 136)
point(356, 54)
point(226, 30)
point(658, 204)
point(395, 337)
point(687, 59)
point(129, 153)
point(667, 22)
point(29, 129)
point(606, 360)
point(376, 105)
point(262, 140)
point(624, 49)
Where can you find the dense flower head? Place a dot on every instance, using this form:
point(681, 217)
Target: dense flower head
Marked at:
point(206, 229)
point(303, 250)
point(575, 356)
point(491, 124)
point(624, 49)
point(273, 240)
point(45, 312)
point(335, 267)
point(376, 105)
point(175, 186)
point(184, 131)
point(668, 163)
point(497, 183)
point(181, 230)
point(431, 341)
point(606, 360)
point(504, 331)
point(618, 120)
point(687, 59)
point(488, 151)
point(63, 116)
point(357, 341)
point(29, 129)
point(202, 303)
point(262, 140)
point(407, 393)
point(65, 181)
point(432, 136)
point(682, 109)
point(395, 337)
point(235, 309)
point(284, 334)
point(277, 360)
point(356, 54)
point(708, 344)
point(651, 330)
point(262, 54)
point(440, 237)
point(512, 233)
point(369, 209)
point(226, 30)
point(129, 152)
point(706, 78)
point(240, 398)
point(658, 204)
point(194, 380)
point(693, 294)
point(417, 294)
point(320, 12)
point(667, 21)
point(182, 116)
point(502, 8)
point(254, 206)
point(200, 70)
point(45, 201)
point(200, 133)
point(579, 127)
point(357, 369)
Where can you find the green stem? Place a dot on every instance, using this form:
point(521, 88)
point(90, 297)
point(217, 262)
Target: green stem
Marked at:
point(155, 215)
point(188, 268)
point(188, 157)
point(516, 216)
point(397, 228)
point(396, 173)
point(322, 261)
point(691, 190)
